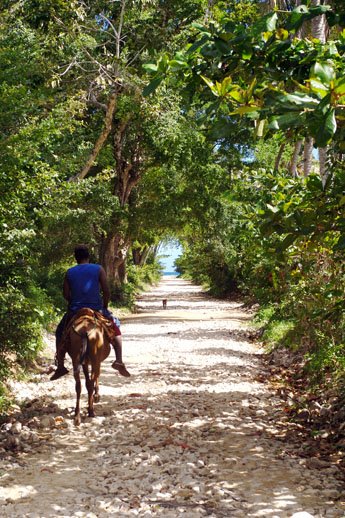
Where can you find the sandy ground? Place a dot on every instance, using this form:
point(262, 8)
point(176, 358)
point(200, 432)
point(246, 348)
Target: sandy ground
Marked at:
point(192, 433)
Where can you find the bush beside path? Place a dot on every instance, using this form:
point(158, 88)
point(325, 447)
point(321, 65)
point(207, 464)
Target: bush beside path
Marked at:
point(196, 431)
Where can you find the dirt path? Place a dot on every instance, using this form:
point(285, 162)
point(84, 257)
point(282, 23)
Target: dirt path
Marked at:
point(194, 432)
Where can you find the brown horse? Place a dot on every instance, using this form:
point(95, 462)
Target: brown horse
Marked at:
point(87, 340)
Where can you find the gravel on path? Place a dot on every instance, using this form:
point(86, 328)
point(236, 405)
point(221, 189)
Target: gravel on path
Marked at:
point(193, 432)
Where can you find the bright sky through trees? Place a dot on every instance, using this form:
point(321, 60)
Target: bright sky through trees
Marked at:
point(168, 254)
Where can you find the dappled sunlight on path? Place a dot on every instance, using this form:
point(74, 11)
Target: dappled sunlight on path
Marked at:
point(192, 433)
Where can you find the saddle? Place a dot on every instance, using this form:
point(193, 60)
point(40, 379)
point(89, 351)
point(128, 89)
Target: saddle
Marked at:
point(93, 316)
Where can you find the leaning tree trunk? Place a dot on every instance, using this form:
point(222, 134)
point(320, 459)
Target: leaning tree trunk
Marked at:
point(294, 159)
point(279, 156)
point(308, 156)
point(140, 255)
point(323, 159)
point(108, 120)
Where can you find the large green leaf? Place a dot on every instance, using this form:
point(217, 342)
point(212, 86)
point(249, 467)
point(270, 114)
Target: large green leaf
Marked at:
point(271, 21)
point(329, 128)
point(282, 102)
point(297, 17)
point(319, 88)
point(150, 67)
point(163, 63)
point(299, 99)
point(242, 110)
point(176, 64)
point(267, 23)
point(288, 120)
point(211, 85)
point(322, 125)
point(222, 46)
point(198, 44)
point(319, 10)
point(201, 28)
point(325, 73)
point(152, 86)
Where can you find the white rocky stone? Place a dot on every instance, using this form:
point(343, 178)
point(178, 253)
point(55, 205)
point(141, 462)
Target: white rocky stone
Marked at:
point(47, 421)
point(6, 427)
point(16, 427)
point(302, 514)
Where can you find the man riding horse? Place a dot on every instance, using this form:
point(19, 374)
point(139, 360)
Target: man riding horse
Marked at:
point(85, 286)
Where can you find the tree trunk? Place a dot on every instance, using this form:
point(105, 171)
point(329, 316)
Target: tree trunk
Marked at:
point(308, 156)
point(319, 27)
point(112, 255)
point(279, 156)
point(115, 247)
point(294, 159)
point(324, 172)
point(208, 12)
point(128, 170)
point(140, 255)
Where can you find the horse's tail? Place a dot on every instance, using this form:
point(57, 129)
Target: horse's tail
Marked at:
point(84, 323)
point(85, 348)
point(84, 316)
point(84, 351)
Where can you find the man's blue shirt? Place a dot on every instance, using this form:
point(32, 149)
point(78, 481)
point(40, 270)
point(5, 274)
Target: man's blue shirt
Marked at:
point(83, 280)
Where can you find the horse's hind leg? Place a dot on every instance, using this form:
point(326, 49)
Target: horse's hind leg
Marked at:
point(89, 382)
point(95, 377)
point(76, 372)
point(96, 396)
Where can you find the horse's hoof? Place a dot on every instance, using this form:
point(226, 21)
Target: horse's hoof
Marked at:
point(91, 413)
point(77, 420)
point(96, 398)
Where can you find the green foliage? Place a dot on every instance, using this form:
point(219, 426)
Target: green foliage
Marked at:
point(205, 264)
point(280, 333)
point(5, 399)
point(265, 73)
point(327, 357)
point(23, 309)
point(266, 151)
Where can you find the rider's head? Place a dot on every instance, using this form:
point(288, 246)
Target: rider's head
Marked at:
point(81, 253)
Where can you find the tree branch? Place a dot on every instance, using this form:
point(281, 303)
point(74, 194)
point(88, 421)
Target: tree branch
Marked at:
point(108, 122)
point(119, 31)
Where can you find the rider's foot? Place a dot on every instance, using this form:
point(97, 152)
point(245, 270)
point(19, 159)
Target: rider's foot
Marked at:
point(119, 366)
point(60, 371)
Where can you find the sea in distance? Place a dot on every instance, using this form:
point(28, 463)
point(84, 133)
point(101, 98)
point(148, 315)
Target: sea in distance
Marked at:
point(170, 274)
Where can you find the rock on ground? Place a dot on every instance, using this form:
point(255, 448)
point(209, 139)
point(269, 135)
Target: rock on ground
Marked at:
point(194, 431)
